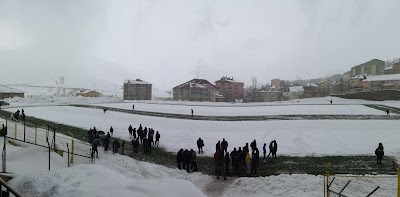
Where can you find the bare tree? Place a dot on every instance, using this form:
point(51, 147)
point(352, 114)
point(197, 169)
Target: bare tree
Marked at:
point(254, 83)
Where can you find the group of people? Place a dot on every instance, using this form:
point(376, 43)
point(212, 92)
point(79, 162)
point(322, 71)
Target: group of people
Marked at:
point(15, 116)
point(145, 136)
point(240, 160)
point(94, 140)
point(187, 160)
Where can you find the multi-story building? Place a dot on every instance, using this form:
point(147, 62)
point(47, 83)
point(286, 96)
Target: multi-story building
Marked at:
point(195, 90)
point(277, 84)
point(381, 82)
point(232, 90)
point(137, 90)
point(373, 67)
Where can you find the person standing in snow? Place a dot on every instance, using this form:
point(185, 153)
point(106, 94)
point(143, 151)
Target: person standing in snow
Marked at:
point(193, 165)
point(23, 114)
point(133, 107)
point(106, 142)
point(216, 154)
point(95, 143)
point(134, 133)
point(253, 145)
point(112, 131)
point(157, 138)
point(130, 131)
point(379, 152)
point(224, 145)
point(388, 112)
point(145, 144)
point(254, 161)
point(218, 146)
point(123, 146)
point(115, 146)
point(200, 145)
point(241, 156)
point(186, 157)
point(179, 158)
point(274, 149)
point(220, 164)
point(227, 162)
point(192, 112)
point(247, 161)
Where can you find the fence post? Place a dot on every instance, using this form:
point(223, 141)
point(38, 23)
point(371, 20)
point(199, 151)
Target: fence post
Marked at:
point(72, 147)
point(15, 130)
point(68, 154)
point(54, 138)
point(47, 133)
point(49, 154)
point(328, 166)
point(35, 133)
point(24, 129)
point(4, 151)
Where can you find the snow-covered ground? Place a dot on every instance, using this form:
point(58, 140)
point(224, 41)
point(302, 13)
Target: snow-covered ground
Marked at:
point(296, 137)
point(249, 110)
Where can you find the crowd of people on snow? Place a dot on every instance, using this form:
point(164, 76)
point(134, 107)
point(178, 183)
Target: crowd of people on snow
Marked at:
point(144, 136)
point(242, 160)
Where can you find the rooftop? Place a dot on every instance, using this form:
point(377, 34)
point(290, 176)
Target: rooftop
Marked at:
point(228, 80)
point(196, 83)
point(5, 89)
point(137, 81)
point(393, 77)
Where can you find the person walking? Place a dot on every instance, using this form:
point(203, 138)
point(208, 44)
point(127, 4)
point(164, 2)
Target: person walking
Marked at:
point(379, 152)
point(200, 144)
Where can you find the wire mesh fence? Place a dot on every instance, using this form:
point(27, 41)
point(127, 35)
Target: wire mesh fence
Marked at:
point(362, 186)
point(30, 148)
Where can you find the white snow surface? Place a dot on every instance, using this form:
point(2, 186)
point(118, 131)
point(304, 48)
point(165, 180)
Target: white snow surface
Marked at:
point(296, 137)
point(99, 181)
point(250, 110)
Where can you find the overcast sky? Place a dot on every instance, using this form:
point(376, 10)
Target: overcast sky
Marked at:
point(170, 42)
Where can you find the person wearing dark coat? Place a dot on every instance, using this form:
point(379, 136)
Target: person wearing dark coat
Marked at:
point(187, 158)
point(227, 162)
point(134, 133)
point(379, 152)
point(123, 146)
point(157, 138)
point(253, 145)
point(193, 164)
point(224, 145)
point(106, 142)
point(112, 131)
point(130, 131)
point(95, 143)
point(246, 148)
point(274, 149)
point(220, 164)
point(255, 155)
point(218, 146)
point(135, 145)
point(265, 150)
point(235, 160)
point(192, 112)
point(133, 107)
point(200, 144)
point(179, 158)
point(145, 144)
point(115, 146)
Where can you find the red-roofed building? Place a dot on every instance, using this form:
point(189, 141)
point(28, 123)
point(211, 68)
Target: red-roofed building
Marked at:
point(195, 90)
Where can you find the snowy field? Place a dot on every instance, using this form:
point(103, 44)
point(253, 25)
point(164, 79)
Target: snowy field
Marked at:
point(244, 110)
point(296, 137)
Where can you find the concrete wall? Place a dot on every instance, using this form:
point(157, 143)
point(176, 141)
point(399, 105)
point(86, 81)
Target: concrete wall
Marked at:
point(376, 95)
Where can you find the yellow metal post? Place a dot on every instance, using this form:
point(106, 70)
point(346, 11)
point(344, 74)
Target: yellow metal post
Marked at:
point(328, 166)
point(15, 130)
point(72, 147)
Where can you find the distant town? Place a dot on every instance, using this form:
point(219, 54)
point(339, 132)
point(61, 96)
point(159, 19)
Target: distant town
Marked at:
point(372, 80)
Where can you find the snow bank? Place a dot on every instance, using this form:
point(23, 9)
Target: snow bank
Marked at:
point(282, 185)
point(96, 180)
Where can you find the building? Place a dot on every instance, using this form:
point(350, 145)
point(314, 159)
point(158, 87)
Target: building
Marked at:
point(373, 67)
point(88, 93)
point(137, 90)
point(277, 84)
point(267, 96)
point(381, 82)
point(6, 92)
point(396, 68)
point(295, 92)
point(232, 90)
point(389, 70)
point(195, 90)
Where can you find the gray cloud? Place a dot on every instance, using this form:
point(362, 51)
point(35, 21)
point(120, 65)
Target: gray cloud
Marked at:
point(169, 42)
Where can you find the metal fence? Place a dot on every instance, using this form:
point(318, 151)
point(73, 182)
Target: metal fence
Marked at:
point(336, 185)
point(29, 148)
